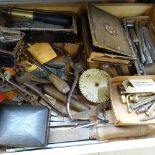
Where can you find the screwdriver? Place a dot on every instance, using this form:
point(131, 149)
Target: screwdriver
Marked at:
point(60, 84)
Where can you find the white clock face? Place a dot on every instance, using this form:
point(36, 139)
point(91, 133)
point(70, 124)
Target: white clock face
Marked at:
point(93, 85)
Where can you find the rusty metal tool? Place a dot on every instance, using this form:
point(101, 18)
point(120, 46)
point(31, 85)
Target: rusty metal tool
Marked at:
point(27, 77)
point(28, 96)
point(77, 69)
point(50, 90)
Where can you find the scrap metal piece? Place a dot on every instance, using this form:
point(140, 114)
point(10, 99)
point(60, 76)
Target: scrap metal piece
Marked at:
point(93, 85)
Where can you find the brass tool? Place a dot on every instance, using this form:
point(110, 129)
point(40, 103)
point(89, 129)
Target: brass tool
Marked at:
point(46, 17)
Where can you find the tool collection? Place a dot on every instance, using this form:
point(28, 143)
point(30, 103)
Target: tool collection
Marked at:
point(65, 88)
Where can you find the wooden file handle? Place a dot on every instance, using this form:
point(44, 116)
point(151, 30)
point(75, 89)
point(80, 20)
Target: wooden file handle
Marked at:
point(112, 132)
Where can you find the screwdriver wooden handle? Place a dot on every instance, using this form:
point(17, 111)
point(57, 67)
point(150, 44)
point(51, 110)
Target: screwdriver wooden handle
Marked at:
point(60, 84)
point(113, 132)
point(50, 90)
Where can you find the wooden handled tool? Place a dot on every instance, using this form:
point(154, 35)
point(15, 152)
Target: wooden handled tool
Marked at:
point(60, 84)
point(50, 90)
point(113, 132)
point(60, 107)
point(99, 132)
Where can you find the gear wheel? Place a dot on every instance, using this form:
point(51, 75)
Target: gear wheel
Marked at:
point(93, 84)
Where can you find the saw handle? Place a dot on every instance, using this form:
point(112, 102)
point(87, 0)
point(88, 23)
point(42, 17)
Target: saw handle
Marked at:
point(113, 132)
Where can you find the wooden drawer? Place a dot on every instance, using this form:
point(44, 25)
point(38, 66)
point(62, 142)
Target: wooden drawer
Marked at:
point(142, 145)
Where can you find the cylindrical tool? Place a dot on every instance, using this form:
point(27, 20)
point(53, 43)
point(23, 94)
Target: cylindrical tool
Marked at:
point(61, 107)
point(113, 132)
point(50, 18)
point(50, 90)
point(60, 84)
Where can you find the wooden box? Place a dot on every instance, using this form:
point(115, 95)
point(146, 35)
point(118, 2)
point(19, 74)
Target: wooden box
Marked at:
point(40, 32)
point(9, 52)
